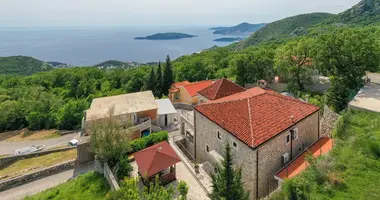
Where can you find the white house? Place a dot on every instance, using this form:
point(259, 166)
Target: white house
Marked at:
point(165, 112)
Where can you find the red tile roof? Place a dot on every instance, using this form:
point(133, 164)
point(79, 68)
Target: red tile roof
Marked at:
point(221, 88)
point(156, 158)
point(194, 88)
point(256, 115)
point(321, 147)
point(181, 84)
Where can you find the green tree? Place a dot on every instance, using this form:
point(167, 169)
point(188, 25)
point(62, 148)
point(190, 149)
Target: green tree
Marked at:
point(241, 71)
point(345, 55)
point(295, 56)
point(150, 83)
point(110, 139)
point(159, 81)
point(167, 79)
point(227, 183)
point(71, 114)
point(128, 191)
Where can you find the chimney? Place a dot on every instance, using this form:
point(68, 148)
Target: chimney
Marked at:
point(262, 84)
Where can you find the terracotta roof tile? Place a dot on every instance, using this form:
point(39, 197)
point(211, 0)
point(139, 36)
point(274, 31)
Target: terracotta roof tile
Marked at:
point(256, 115)
point(155, 158)
point(181, 84)
point(221, 88)
point(194, 88)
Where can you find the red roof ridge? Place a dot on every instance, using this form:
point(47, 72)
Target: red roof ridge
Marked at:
point(290, 98)
point(250, 119)
point(220, 85)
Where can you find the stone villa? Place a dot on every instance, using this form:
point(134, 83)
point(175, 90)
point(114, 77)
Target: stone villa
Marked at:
point(266, 131)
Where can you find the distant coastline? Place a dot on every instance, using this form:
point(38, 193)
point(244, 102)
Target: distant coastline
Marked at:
point(166, 36)
point(228, 39)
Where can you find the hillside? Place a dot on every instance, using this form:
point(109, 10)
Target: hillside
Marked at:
point(366, 12)
point(285, 28)
point(243, 28)
point(22, 65)
point(110, 64)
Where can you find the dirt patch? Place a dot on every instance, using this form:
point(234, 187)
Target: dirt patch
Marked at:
point(26, 135)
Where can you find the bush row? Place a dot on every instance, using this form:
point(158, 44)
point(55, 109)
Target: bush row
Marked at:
point(142, 143)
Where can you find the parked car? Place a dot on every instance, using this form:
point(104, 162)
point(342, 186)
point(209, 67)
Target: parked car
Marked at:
point(30, 149)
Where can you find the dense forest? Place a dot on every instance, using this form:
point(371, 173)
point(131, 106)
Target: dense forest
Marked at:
point(58, 97)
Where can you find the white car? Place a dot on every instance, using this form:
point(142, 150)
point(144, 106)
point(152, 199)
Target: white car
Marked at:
point(30, 149)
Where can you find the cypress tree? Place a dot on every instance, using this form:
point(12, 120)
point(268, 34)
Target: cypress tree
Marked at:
point(150, 83)
point(167, 76)
point(159, 81)
point(226, 183)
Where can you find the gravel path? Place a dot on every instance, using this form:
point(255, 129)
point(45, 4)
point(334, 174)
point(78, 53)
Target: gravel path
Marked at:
point(10, 147)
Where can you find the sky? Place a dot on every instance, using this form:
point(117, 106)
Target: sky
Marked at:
point(157, 12)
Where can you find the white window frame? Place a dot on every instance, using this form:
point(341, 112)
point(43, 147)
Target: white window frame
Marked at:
point(294, 136)
point(285, 155)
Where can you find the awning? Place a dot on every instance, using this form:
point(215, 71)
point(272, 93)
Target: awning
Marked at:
point(156, 158)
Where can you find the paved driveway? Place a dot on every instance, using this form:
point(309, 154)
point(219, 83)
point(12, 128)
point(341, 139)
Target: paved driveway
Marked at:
point(10, 147)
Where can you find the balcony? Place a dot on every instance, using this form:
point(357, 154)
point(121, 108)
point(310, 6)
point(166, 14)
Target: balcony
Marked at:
point(143, 123)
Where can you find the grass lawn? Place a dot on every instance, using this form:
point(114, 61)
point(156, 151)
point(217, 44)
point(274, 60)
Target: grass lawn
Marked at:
point(33, 164)
point(351, 170)
point(87, 186)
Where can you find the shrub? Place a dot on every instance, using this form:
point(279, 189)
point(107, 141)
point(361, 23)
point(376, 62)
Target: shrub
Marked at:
point(124, 169)
point(183, 189)
point(142, 143)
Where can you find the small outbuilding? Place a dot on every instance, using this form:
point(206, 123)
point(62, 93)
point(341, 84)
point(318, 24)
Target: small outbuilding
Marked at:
point(166, 112)
point(157, 160)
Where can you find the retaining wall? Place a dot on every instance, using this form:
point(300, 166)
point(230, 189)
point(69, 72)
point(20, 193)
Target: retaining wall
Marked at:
point(110, 178)
point(8, 160)
point(13, 182)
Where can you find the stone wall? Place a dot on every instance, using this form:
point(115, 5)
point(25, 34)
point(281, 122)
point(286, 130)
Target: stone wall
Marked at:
point(270, 153)
point(244, 156)
point(10, 183)
point(8, 160)
point(178, 105)
point(328, 121)
point(110, 178)
point(84, 151)
point(268, 156)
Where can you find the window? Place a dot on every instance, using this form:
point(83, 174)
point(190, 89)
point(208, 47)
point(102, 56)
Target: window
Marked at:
point(234, 144)
point(285, 158)
point(294, 133)
point(287, 138)
point(207, 148)
point(219, 135)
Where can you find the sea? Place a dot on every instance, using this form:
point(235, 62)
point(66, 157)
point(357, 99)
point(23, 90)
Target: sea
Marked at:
point(85, 46)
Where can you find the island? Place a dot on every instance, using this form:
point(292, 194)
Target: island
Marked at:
point(228, 39)
point(240, 29)
point(166, 36)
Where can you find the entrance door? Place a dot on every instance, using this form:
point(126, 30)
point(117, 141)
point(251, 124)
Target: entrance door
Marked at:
point(166, 120)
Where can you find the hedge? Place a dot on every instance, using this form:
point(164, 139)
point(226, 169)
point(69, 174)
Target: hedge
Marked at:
point(142, 143)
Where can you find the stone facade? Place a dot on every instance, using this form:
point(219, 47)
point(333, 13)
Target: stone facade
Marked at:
point(328, 121)
point(270, 153)
point(244, 156)
point(268, 156)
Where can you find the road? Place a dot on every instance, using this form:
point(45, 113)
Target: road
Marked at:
point(10, 147)
point(34, 187)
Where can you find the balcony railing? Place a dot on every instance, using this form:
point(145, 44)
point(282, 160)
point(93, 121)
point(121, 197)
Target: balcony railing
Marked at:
point(142, 126)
